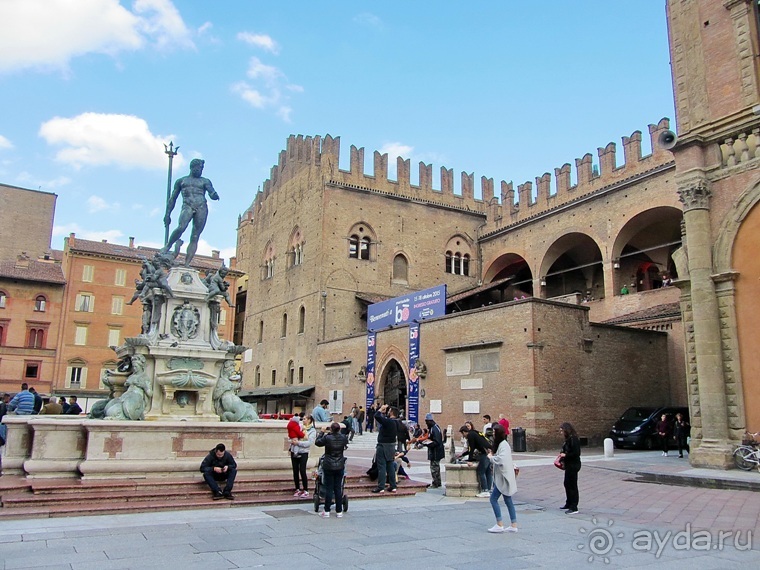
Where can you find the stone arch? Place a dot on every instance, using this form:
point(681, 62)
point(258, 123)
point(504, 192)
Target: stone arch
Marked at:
point(341, 278)
point(729, 228)
point(458, 255)
point(511, 265)
point(40, 302)
point(362, 241)
point(391, 376)
point(400, 268)
point(573, 263)
point(642, 251)
point(734, 253)
point(267, 262)
point(296, 243)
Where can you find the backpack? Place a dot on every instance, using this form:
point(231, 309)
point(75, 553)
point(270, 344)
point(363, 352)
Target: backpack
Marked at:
point(489, 436)
point(485, 441)
point(402, 432)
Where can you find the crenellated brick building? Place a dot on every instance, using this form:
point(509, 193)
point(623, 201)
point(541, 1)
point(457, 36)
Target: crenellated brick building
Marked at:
point(637, 284)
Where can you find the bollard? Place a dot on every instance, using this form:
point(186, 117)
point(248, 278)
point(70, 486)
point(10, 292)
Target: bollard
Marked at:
point(609, 448)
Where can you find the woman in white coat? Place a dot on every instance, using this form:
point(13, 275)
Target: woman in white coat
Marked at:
point(504, 480)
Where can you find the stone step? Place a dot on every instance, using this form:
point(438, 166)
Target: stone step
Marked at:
point(125, 505)
point(162, 491)
point(60, 498)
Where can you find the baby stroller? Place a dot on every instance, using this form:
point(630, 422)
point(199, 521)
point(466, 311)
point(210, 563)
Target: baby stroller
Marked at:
point(319, 488)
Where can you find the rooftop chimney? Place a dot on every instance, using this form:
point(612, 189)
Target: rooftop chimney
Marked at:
point(215, 253)
point(22, 261)
point(132, 242)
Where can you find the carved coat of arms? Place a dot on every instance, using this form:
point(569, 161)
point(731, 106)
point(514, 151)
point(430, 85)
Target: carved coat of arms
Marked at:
point(185, 321)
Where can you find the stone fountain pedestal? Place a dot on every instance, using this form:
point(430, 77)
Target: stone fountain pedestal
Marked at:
point(183, 353)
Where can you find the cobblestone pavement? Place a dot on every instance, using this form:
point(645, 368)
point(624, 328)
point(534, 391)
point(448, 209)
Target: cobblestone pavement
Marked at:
point(628, 523)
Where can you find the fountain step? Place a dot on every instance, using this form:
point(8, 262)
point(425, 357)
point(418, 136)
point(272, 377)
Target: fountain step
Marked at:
point(77, 498)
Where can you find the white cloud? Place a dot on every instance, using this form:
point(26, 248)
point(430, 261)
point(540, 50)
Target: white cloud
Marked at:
point(284, 113)
point(395, 149)
point(268, 95)
point(205, 33)
point(369, 20)
point(5, 143)
point(47, 34)
point(97, 204)
point(111, 236)
point(259, 70)
point(102, 139)
point(205, 248)
point(262, 41)
point(250, 95)
point(26, 179)
point(161, 22)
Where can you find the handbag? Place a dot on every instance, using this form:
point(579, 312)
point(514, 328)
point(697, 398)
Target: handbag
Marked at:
point(559, 463)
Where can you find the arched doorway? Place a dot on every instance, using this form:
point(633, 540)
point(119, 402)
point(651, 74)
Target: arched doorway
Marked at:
point(394, 386)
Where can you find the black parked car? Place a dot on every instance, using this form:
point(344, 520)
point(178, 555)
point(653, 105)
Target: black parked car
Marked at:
point(637, 427)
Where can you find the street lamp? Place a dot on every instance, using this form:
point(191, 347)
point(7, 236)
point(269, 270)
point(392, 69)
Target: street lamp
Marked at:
point(171, 152)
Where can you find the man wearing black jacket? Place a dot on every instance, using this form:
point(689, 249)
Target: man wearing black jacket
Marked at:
point(219, 465)
point(477, 442)
point(385, 451)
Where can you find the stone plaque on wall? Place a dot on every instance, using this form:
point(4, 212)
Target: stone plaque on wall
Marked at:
point(457, 364)
point(337, 375)
point(485, 361)
point(471, 383)
point(471, 407)
point(435, 406)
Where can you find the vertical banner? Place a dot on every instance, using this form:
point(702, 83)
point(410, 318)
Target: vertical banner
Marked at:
point(414, 379)
point(370, 369)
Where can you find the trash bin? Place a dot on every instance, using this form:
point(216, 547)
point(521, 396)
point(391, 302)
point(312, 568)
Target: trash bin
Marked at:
point(519, 442)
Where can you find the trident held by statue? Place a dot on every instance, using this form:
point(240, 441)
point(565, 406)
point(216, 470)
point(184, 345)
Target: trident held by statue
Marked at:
point(171, 151)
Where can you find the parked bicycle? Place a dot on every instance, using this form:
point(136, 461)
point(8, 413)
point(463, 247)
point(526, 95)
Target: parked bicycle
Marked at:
point(747, 455)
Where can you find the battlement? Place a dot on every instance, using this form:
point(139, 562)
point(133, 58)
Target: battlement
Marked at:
point(507, 208)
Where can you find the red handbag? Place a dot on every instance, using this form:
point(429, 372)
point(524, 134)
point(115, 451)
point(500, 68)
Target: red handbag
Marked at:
point(559, 463)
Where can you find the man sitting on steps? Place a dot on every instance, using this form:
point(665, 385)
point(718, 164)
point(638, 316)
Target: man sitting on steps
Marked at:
point(219, 465)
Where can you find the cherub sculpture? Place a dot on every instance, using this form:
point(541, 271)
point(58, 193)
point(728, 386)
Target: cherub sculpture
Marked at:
point(216, 285)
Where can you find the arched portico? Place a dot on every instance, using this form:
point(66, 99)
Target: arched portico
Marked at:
point(642, 251)
point(572, 264)
point(514, 267)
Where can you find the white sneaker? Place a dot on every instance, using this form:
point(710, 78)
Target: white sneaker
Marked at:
point(664, 453)
point(305, 495)
point(496, 528)
point(339, 515)
point(325, 514)
point(511, 529)
point(297, 494)
point(483, 495)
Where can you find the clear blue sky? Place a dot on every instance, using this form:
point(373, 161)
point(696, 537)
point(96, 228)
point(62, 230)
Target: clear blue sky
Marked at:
point(90, 91)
